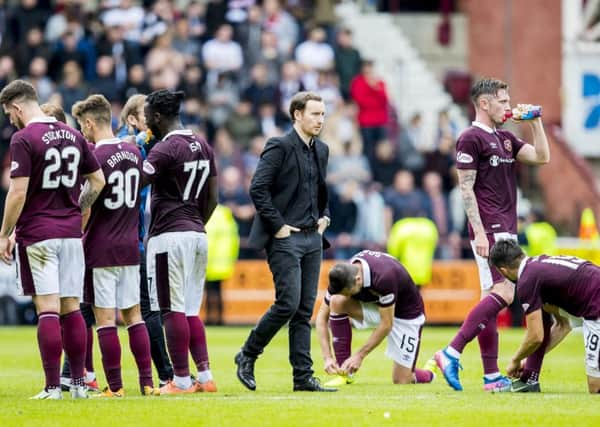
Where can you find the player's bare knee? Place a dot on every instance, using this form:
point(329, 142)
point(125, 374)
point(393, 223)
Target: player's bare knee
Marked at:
point(46, 303)
point(132, 315)
point(593, 385)
point(69, 305)
point(338, 304)
point(506, 291)
point(105, 316)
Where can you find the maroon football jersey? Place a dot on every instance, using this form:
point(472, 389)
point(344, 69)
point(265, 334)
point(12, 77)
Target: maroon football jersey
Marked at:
point(492, 153)
point(111, 235)
point(386, 282)
point(178, 168)
point(53, 156)
point(570, 283)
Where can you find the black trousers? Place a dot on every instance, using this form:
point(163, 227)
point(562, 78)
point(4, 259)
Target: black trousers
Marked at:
point(295, 262)
point(153, 319)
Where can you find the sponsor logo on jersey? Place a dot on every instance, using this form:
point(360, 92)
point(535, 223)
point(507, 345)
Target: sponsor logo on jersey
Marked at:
point(14, 166)
point(497, 160)
point(508, 145)
point(387, 299)
point(463, 157)
point(148, 168)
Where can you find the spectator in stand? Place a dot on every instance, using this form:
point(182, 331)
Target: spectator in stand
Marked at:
point(344, 215)
point(7, 70)
point(289, 84)
point(215, 16)
point(328, 88)
point(156, 22)
point(38, 77)
point(192, 82)
point(269, 122)
point(342, 128)
point(196, 12)
point(72, 87)
point(70, 47)
point(105, 80)
point(386, 163)
point(125, 53)
point(415, 134)
point(370, 94)
point(127, 15)
point(280, 22)
point(242, 124)
point(440, 214)
point(32, 47)
point(249, 35)
point(442, 159)
point(403, 200)
point(184, 43)
point(28, 14)
point(252, 155)
point(221, 53)
point(260, 90)
point(136, 82)
point(314, 55)
point(222, 96)
point(233, 194)
point(347, 61)
point(269, 56)
point(227, 153)
point(350, 166)
point(370, 231)
point(164, 57)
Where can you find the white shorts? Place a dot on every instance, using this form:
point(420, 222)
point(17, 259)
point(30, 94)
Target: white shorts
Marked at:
point(113, 287)
point(404, 338)
point(176, 265)
point(487, 275)
point(591, 341)
point(53, 266)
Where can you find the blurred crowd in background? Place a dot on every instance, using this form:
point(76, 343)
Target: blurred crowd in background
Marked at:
point(239, 63)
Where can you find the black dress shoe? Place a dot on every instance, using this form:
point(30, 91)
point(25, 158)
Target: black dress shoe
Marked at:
point(312, 384)
point(245, 370)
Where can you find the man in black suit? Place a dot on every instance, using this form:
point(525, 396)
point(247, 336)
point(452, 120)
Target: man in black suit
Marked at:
point(290, 195)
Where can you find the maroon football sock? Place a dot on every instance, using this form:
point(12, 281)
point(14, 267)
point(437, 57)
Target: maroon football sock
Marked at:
point(423, 376)
point(488, 347)
point(533, 364)
point(341, 332)
point(177, 332)
point(74, 343)
point(139, 343)
point(110, 347)
point(89, 351)
point(198, 346)
point(486, 310)
point(50, 344)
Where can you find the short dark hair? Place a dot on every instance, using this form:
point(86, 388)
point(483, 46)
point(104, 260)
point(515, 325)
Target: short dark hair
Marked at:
point(96, 106)
point(506, 253)
point(18, 90)
point(341, 276)
point(54, 110)
point(487, 86)
point(300, 100)
point(166, 102)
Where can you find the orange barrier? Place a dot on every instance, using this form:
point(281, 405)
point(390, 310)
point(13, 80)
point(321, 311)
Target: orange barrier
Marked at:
point(454, 289)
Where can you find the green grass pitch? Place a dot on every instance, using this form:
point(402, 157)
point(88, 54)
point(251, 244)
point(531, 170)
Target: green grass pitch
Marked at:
point(564, 399)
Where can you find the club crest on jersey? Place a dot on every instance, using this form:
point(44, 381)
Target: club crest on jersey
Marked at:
point(508, 145)
point(148, 168)
point(525, 307)
point(463, 157)
point(14, 166)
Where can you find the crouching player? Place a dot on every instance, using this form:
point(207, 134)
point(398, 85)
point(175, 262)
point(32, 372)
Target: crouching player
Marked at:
point(111, 247)
point(372, 290)
point(566, 282)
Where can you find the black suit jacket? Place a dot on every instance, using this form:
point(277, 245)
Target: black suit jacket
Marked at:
point(276, 182)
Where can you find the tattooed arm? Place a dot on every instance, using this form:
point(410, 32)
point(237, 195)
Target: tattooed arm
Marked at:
point(466, 180)
point(91, 189)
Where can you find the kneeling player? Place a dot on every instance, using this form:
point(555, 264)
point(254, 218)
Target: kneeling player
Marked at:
point(373, 290)
point(566, 282)
point(111, 247)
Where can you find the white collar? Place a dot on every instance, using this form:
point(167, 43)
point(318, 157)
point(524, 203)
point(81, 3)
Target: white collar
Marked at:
point(366, 271)
point(108, 141)
point(42, 119)
point(522, 267)
point(483, 126)
point(185, 132)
